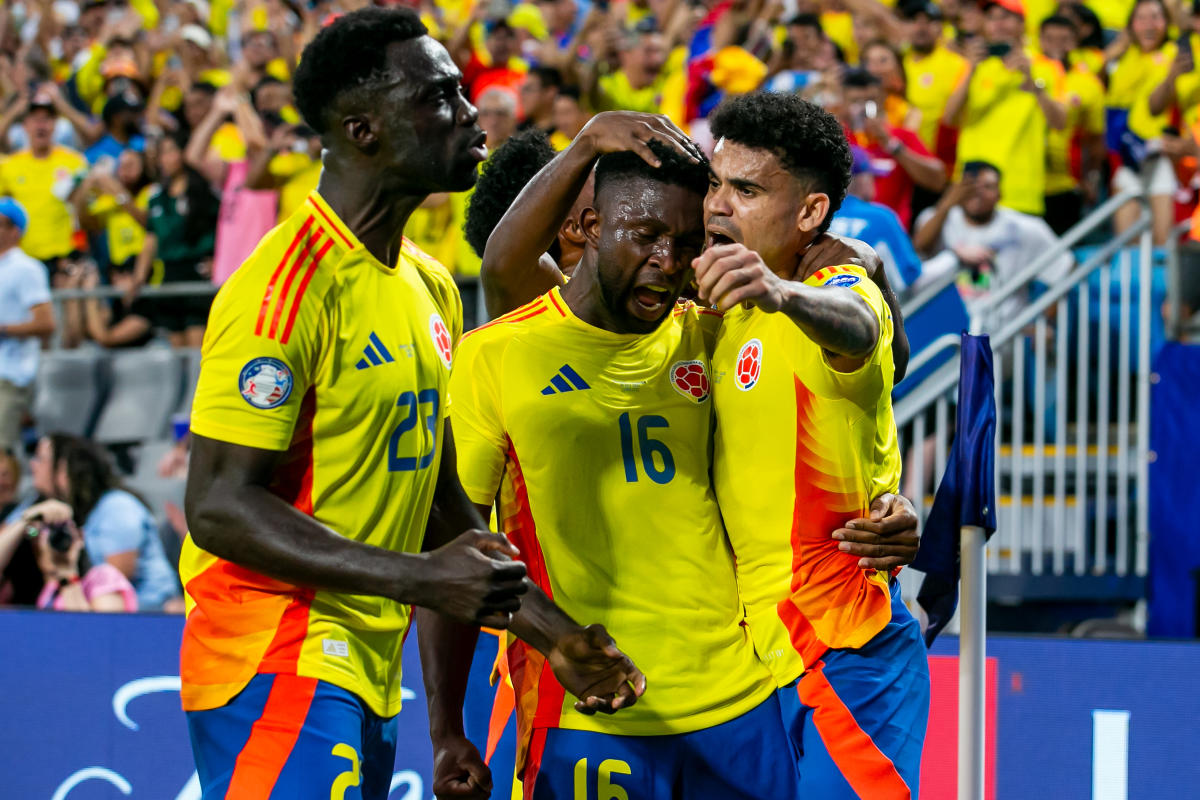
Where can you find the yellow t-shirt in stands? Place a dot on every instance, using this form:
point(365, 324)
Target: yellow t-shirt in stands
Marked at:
point(125, 235)
point(1084, 99)
point(1004, 125)
point(931, 81)
point(616, 93)
point(43, 186)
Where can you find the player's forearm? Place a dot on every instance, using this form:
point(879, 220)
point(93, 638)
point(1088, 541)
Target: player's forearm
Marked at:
point(512, 273)
point(540, 623)
point(251, 527)
point(447, 650)
point(834, 317)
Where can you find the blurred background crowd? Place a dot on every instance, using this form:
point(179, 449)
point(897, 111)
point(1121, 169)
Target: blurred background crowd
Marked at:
point(154, 142)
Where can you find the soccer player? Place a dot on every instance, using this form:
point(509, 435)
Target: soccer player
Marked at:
point(638, 540)
point(611, 504)
point(805, 437)
point(322, 496)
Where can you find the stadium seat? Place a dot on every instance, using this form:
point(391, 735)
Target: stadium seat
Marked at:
point(68, 391)
point(191, 374)
point(145, 387)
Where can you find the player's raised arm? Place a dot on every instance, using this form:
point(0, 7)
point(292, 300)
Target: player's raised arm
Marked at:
point(834, 317)
point(234, 516)
point(513, 271)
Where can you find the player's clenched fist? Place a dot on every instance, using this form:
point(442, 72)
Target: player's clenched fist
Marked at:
point(473, 580)
point(728, 274)
point(588, 665)
point(459, 771)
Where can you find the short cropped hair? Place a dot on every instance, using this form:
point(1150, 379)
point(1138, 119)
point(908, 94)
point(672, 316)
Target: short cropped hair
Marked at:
point(349, 54)
point(973, 168)
point(807, 139)
point(675, 170)
point(501, 179)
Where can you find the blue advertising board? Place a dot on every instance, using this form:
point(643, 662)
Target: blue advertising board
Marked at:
point(90, 711)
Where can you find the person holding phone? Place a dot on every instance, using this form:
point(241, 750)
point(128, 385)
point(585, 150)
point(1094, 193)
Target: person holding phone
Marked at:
point(1005, 105)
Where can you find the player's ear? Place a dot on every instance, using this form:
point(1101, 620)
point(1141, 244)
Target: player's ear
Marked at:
point(812, 212)
point(572, 231)
point(589, 224)
point(360, 131)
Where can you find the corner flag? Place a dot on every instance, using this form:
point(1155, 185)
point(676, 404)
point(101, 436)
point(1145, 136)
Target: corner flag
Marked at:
point(967, 494)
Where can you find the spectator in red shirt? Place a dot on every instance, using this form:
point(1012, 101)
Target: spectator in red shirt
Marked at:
point(501, 45)
point(896, 153)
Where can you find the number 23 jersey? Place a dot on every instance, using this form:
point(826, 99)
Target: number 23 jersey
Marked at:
point(317, 349)
point(598, 446)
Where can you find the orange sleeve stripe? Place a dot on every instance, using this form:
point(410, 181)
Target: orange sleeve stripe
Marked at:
point(272, 738)
point(555, 302)
point(510, 317)
point(305, 253)
point(864, 766)
point(312, 268)
point(270, 292)
point(333, 225)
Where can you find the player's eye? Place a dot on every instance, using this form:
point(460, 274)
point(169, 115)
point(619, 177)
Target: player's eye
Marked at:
point(746, 191)
point(713, 183)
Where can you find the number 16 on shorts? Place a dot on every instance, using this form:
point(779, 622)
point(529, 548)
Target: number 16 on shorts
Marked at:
point(601, 778)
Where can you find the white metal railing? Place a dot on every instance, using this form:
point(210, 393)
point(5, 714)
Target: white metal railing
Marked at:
point(1072, 396)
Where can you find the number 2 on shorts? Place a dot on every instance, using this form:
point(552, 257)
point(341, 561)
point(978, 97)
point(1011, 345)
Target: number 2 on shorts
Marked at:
point(350, 777)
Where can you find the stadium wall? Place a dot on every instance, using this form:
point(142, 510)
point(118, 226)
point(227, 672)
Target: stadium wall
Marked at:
point(91, 712)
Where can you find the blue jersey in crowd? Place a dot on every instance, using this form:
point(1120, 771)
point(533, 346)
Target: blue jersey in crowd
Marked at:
point(878, 226)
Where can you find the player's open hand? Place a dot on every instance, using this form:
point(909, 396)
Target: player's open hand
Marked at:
point(831, 250)
point(589, 665)
point(459, 771)
point(621, 131)
point(473, 579)
point(887, 539)
point(728, 274)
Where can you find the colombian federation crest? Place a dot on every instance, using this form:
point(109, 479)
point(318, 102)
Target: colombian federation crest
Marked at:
point(690, 379)
point(748, 366)
point(441, 338)
point(265, 382)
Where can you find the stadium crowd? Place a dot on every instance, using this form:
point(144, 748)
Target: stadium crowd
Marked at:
point(152, 142)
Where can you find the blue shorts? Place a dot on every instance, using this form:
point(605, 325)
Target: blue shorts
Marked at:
point(857, 718)
point(748, 757)
point(290, 738)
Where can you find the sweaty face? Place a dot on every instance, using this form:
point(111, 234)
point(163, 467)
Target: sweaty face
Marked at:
point(646, 234)
point(427, 129)
point(753, 200)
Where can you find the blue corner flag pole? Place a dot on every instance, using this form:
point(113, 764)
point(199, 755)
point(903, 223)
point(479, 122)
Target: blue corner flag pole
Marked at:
point(961, 521)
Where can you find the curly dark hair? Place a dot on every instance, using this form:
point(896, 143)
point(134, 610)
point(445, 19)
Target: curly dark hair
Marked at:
point(807, 139)
point(675, 170)
point(501, 179)
point(348, 54)
point(90, 473)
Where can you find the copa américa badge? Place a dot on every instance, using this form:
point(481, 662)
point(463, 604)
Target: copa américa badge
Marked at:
point(265, 382)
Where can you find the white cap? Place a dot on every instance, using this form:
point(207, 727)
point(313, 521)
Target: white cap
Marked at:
point(197, 36)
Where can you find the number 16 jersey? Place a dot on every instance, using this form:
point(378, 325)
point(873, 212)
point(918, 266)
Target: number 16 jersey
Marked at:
point(598, 445)
point(317, 349)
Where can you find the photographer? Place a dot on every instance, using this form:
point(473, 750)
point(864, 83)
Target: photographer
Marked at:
point(72, 581)
point(117, 528)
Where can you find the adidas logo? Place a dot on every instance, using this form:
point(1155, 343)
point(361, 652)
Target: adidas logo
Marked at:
point(567, 380)
point(374, 356)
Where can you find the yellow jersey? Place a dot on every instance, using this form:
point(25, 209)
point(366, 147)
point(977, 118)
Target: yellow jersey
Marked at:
point(1131, 83)
point(597, 445)
point(317, 349)
point(1084, 101)
point(616, 93)
point(43, 186)
point(1004, 125)
point(300, 175)
point(931, 81)
point(124, 234)
point(801, 448)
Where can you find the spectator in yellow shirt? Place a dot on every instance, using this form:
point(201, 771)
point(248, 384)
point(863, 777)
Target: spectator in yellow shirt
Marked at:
point(1066, 191)
point(42, 178)
point(1007, 105)
point(645, 68)
point(933, 72)
point(1140, 60)
point(114, 204)
point(569, 117)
